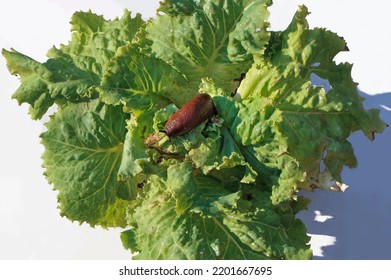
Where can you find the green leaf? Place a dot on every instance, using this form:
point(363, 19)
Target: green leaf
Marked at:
point(83, 151)
point(219, 156)
point(194, 39)
point(72, 72)
point(175, 7)
point(95, 40)
point(296, 125)
point(140, 82)
point(42, 85)
point(250, 35)
point(189, 216)
point(135, 155)
point(182, 185)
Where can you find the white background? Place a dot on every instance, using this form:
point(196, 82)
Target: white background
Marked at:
point(351, 225)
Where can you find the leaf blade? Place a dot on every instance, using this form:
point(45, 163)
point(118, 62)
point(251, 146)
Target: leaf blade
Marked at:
point(83, 150)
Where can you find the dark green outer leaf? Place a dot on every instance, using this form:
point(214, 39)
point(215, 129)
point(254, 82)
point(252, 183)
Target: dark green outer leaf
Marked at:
point(72, 72)
point(195, 217)
point(55, 81)
point(83, 151)
point(195, 40)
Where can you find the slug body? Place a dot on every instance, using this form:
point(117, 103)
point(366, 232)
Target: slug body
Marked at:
point(192, 114)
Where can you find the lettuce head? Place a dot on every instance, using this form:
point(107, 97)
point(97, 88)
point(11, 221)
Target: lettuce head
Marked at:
point(229, 188)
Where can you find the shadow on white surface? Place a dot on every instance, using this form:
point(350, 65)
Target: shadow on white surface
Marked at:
point(356, 224)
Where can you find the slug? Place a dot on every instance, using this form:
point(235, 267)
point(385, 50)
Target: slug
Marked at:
point(192, 114)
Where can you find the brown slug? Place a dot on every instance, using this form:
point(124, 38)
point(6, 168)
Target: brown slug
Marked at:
point(192, 114)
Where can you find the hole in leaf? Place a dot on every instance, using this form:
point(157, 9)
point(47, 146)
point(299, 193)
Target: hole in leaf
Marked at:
point(318, 81)
point(322, 165)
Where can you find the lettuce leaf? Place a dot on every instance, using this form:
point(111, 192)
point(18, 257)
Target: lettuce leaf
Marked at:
point(199, 38)
point(140, 82)
point(83, 150)
point(228, 189)
point(72, 72)
point(194, 217)
point(297, 125)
